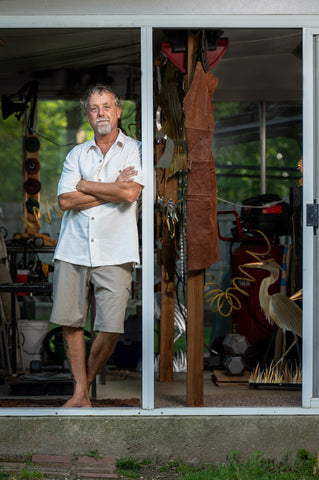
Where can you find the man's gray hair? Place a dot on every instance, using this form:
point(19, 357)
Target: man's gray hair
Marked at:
point(100, 89)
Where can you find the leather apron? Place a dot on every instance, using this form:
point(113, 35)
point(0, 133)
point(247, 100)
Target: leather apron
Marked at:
point(202, 228)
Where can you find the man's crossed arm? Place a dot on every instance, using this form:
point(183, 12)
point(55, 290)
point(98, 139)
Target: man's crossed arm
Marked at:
point(91, 194)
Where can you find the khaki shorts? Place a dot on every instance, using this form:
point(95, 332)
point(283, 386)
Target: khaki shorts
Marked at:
point(73, 286)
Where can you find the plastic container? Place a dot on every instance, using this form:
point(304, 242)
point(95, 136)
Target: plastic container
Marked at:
point(33, 333)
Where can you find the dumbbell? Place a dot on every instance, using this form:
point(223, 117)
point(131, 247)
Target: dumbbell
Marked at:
point(236, 346)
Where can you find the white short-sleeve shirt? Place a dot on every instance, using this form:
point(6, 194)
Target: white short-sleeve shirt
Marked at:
point(106, 234)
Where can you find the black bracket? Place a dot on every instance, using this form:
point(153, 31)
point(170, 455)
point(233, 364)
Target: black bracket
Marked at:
point(312, 216)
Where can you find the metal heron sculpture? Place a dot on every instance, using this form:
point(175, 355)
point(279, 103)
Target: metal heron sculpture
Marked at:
point(278, 308)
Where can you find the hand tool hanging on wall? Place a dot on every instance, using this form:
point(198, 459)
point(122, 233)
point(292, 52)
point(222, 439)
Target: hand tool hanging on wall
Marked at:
point(170, 158)
point(169, 239)
point(170, 100)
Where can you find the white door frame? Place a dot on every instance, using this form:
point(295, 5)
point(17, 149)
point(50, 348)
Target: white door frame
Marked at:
point(146, 24)
point(147, 220)
point(310, 195)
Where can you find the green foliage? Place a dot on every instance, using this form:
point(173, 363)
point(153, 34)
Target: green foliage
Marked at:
point(259, 467)
point(237, 157)
point(94, 453)
point(128, 119)
point(129, 467)
point(57, 126)
point(128, 463)
point(235, 468)
point(27, 474)
point(4, 475)
point(10, 160)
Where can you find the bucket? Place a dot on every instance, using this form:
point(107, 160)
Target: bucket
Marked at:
point(33, 333)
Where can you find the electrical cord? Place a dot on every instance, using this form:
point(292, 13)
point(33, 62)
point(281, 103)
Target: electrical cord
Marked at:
point(265, 205)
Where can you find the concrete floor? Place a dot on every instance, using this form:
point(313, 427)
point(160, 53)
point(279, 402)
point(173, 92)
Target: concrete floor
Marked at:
point(173, 394)
point(127, 385)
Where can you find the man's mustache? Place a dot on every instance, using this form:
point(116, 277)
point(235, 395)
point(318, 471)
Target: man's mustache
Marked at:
point(102, 120)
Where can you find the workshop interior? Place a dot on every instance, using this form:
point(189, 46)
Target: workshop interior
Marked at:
point(227, 119)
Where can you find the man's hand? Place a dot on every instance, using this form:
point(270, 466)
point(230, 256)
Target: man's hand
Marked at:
point(127, 175)
point(80, 186)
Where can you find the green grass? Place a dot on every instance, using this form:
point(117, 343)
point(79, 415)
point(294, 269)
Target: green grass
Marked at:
point(235, 468)
point(24, 474)
point(27, 474)
point(131, 467)
point(94, 454)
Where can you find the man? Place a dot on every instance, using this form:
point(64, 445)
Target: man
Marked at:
point(98, 242)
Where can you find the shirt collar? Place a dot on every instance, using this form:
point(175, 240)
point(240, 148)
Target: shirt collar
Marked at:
point(120, 140)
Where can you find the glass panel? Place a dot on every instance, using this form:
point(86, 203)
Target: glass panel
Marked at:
point(64, 69)
point(246, 235)
point(237, 148)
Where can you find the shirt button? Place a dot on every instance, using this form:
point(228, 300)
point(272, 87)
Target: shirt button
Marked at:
point(92, 239)
point(92, 218)
point(100, 180)
point(100, 161)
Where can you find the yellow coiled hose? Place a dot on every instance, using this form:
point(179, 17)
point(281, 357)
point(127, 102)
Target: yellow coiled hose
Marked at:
point(37, 213)
point(217, 298)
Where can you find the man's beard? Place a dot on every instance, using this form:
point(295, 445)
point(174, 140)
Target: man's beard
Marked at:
point(103, 128)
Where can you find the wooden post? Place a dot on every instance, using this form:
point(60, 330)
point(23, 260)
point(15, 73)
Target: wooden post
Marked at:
point(195, 297)
point(166, 337)
point(192, 44)
point(195, 338)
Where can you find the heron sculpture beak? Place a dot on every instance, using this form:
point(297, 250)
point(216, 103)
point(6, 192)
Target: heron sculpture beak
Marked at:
point(253, 265)
point(269, 265)
point(297, 296)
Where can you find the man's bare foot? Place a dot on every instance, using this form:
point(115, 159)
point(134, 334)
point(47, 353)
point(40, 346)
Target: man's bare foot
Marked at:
point(78, 401)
